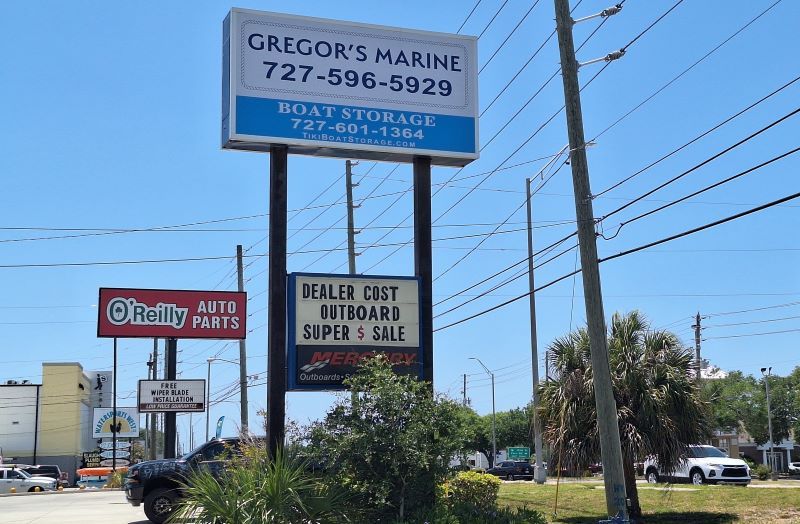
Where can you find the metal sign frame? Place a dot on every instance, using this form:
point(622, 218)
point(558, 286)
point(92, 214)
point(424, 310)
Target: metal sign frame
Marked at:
point(291, 343)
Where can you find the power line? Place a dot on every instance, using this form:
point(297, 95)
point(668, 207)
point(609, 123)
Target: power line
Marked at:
point(624, 253)
point(787, 304)
point(751, 322)
point(754, 334)
point(690, 142)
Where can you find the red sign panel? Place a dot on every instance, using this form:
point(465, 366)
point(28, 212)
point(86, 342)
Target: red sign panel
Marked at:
point(164, 313)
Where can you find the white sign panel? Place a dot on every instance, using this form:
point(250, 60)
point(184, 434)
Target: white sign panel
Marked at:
point(333, 88)
point(110, 445)
point(119, 454)
point(176, 396)
point(127, 420)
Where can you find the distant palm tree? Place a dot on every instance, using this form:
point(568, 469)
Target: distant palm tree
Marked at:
point(658, 402)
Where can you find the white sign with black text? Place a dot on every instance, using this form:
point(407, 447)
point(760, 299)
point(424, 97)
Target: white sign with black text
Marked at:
point(173, 396)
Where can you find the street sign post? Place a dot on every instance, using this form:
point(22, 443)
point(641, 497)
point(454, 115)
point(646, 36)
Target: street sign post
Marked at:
point(519, 453)
point(336, 321)
point(343, 89)
point(172, 396)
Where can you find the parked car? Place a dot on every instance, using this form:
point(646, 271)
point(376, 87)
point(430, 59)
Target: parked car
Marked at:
point(702, 465)
point(50, 471)
point(794, 468)
point(512, 469)
point(157, 483)
point(22, 481)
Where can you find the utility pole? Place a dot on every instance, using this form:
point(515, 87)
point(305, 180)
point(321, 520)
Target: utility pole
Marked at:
point(464, 391)
point(767, 372)
point(154, 416)
point(170, 427)
point(242, 353)
point(697, 362)
point(494, 435)
point(540, 475)
point(607, 421)
point(351, 232)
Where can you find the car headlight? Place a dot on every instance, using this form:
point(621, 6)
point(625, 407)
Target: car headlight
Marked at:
point(717, 465)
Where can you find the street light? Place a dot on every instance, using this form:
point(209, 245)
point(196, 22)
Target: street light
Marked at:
point(767, 372)
point(494, 438)
point(208, 388)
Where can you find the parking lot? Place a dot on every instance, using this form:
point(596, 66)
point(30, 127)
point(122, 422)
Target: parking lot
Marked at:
point(71, 507)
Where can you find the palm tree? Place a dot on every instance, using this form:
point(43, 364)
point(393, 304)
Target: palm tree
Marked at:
point(658, 402)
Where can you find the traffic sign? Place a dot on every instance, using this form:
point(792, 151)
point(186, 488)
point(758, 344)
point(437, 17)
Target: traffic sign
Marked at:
point(110, 454)
point(520, 453)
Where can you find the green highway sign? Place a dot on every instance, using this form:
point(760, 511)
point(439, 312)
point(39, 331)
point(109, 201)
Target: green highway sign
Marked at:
point(519, 453)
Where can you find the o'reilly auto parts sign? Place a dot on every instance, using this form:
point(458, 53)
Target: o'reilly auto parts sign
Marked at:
point(174, 396)
point(336, 321)
point(165, 313)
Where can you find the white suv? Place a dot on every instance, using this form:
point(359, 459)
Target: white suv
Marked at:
point(703, 465)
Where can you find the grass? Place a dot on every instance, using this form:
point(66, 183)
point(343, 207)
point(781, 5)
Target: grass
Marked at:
point(583, 502)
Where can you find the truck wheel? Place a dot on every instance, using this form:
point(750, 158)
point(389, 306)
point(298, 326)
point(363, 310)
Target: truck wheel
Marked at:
point(159, 505)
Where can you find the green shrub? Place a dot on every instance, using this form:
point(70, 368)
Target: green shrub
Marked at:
point(472, 492)
point(762, 472)
point(444, 515)
point(116, 479)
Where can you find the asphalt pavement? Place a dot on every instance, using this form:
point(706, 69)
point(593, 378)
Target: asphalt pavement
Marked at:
point(70, 507)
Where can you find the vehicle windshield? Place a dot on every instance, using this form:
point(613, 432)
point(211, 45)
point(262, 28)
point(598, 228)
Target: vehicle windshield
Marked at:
point(191, 453)
point(705, 452)
point(24, 473)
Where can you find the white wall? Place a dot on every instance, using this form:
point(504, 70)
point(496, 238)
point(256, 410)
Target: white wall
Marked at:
point(17, 420)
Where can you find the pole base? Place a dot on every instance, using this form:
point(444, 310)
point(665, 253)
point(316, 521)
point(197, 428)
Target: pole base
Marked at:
point(539, 475)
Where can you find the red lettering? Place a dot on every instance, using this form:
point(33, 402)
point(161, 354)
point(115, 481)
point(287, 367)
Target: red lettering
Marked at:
point(338, 358)
point(351, 358)
point(318, 356)
point(410, 358)
point(396, 358)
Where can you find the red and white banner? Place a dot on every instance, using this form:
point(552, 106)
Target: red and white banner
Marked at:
point(164, 313)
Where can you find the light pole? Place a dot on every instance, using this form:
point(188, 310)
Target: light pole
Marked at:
point(208, 388)
point(494, 437)
point(766, 372)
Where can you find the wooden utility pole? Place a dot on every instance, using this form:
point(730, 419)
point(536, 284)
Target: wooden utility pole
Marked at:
point(242, 352)
point(351, 233)
point(607, 422)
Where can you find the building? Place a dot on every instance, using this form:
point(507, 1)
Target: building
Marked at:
point(50, 423)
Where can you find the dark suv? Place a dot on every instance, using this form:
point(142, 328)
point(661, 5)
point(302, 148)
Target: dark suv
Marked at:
point(53, 472)
point(512, 469)
point(157, 483)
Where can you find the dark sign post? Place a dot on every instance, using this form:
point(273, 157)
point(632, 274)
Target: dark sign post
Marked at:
point(331, 88)
point(170, 314)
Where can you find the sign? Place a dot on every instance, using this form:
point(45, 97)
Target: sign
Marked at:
point(110, 445)
point(173, 396)
point(157, 313)
point(218, 434)
point(348, 90)
point(127, 420)
point(109, 463)
point(100, 390)
point(336, 321)
point(110, 454)
point(520, 453)
point(91, 459)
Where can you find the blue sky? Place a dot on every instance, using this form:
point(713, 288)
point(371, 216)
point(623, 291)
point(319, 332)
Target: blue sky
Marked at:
point(111, 116)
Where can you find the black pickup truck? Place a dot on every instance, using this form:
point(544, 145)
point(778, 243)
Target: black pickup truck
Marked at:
point(157, 483)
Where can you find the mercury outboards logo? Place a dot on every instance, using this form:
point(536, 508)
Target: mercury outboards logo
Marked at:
point(122, 310)
point(315, 366)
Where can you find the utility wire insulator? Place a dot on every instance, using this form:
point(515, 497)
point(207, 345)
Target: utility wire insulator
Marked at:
point(610, 57)
point(605, 13)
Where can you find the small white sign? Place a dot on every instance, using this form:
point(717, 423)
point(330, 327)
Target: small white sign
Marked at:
point(174, 396)
point(110, 445)
point(108, 463)
point(126, 419)
point(119, 454)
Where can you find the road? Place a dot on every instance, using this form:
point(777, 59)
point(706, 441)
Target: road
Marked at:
point(71, 507)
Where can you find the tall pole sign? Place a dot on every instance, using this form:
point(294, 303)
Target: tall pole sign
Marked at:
point(330, 88)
